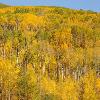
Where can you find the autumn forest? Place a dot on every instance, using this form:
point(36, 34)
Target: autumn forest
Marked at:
point(49, 53)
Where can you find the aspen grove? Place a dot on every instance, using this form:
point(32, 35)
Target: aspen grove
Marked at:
point(49, 53)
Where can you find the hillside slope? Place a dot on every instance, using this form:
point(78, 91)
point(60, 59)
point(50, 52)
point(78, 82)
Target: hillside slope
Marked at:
point(49, 53)
point(3, 5)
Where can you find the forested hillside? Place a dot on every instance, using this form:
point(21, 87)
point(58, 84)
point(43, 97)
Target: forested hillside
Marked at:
point(49, 53)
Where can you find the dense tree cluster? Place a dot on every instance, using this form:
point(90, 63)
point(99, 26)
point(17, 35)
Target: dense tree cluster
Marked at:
point(49, 53)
